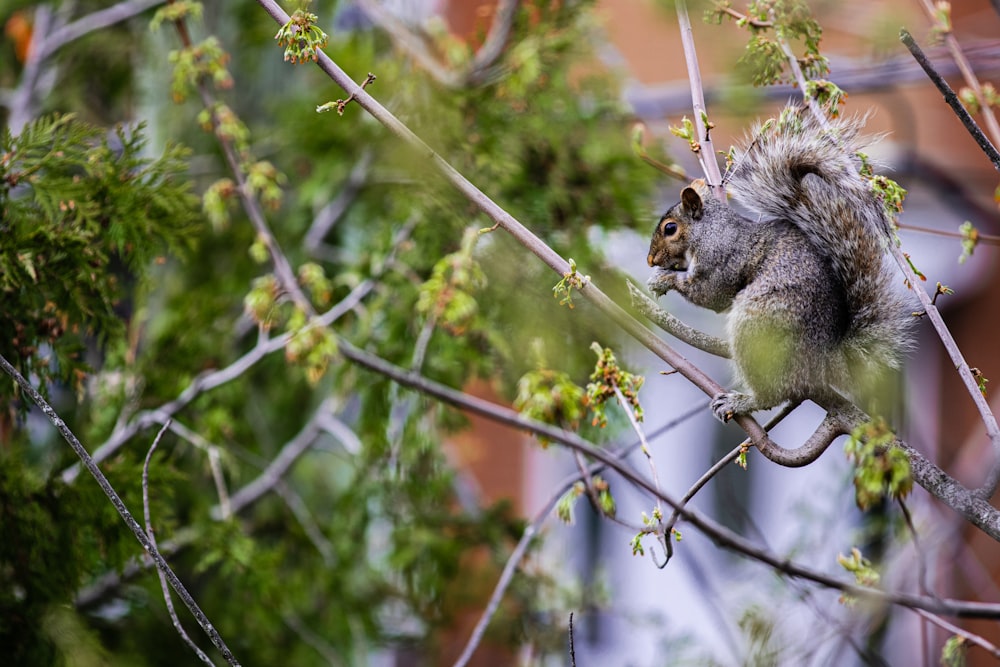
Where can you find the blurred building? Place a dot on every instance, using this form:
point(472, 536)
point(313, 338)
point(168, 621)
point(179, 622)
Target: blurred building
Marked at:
point(699, 598)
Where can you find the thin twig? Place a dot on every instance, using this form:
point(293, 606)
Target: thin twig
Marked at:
point(723, 537)
point(572, 648)
point(706, 150)
point(967, 73)
point(214, 463)
point(532, 529)
point(553, 260)
point(989, 486)
point(92, 22)
point(951, 98)
point(662, 535)
point(988, 239)
point(116, 500)
point(715, 470)
point(152, 538)
point(964, 634)
point(800, 79)
point(725, 9)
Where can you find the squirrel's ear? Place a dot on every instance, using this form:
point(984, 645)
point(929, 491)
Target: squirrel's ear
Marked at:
point(691, 201)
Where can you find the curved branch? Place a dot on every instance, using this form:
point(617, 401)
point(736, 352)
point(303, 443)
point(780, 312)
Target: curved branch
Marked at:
point(719, 534)
point(530, 241)
point(92, 22)
point(985, 516)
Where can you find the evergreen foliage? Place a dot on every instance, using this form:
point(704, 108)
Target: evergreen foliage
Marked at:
point(115, 287)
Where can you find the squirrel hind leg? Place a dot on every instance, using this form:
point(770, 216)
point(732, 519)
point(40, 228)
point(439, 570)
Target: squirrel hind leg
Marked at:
point(728, 404)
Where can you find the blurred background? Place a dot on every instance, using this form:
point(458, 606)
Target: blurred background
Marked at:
point(382, 537)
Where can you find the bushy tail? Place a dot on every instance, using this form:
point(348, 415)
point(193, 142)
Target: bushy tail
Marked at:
point(796, 169)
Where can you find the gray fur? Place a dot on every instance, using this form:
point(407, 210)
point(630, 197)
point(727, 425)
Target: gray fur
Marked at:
point(811, 298)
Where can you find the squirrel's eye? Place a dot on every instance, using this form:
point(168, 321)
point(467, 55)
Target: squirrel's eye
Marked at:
point(669, 229)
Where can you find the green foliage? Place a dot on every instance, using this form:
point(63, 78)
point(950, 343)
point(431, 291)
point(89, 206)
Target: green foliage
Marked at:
point(953, 652)
point(52, 536)
point(828, 94)
point(653, 523)
point(205, 61)
point(607, 380)
point(180, 10)
point(571, 280)
point(301, 37)
point(447, 297)
point(372, 521)
point(970, 239)
point(764, 62)
point(85, 214)
point(880, 469)
point(764, 648)
point(860, 567)
point(551, 397)
point(890, 194)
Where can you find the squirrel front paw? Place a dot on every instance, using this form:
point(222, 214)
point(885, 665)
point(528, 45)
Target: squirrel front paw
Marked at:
point(662, 281)
point(727, 405)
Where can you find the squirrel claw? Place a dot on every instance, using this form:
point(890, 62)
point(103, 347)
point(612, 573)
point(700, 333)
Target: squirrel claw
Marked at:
point(727, 405)
point(661, 282)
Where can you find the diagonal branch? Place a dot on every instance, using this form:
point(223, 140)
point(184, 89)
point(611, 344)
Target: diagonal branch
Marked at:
point(126, 516)
point(549, 256)
point(967, 73)
point(951, 98)
point(152, 538)
point(706, 150)
point(722, 536)
point(92, 22)
point(932, 478)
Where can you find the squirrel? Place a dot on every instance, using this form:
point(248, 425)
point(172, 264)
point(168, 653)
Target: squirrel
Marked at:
point(812, 312)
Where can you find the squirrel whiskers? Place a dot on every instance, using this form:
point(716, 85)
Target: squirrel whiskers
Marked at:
point(813, 308)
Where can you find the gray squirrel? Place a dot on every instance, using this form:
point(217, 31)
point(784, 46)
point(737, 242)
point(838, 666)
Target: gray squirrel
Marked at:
point(812, 309)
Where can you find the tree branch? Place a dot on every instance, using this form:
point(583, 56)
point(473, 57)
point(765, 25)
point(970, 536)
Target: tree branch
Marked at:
point(722, 536)
point(675, 327)
point(706, 150)
point(951, 98)
point(126, 516)
point(551, 258)
point(92, 22)
point(967, 73)
point(152, 538)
